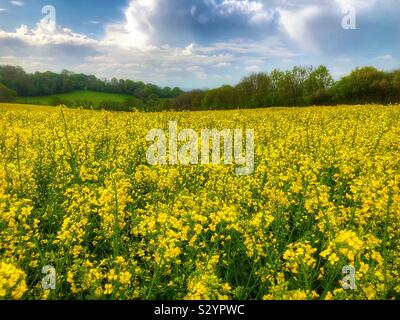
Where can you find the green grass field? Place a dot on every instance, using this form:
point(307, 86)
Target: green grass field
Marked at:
point(94, 97)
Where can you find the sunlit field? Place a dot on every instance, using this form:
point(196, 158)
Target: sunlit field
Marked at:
point(77, 193)
point(74, 97)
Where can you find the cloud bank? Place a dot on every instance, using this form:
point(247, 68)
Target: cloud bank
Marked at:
point(197, 43)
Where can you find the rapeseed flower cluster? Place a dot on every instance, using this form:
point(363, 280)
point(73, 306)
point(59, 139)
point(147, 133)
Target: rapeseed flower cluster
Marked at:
point(12, 282)
point(76, 193)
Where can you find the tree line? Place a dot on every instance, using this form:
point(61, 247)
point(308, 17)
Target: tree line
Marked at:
point(301, 86)
point(49, 83)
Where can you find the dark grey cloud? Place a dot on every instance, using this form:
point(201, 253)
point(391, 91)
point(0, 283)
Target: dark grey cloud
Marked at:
point(178, 22)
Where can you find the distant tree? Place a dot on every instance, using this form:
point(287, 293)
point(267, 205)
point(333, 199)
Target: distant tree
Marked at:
point(153, 102)
point(210, 100)
point(224, 97)
point(6, 94)
point(364, 85)
point(317, 86)
point(50, 83)
point(186, 100)
point(176, 92)
point(197, 101)
point(278, 93)
point(139, 93)
point(294, 82)
point(253, 90)
point(299, 86)
point(393, 79)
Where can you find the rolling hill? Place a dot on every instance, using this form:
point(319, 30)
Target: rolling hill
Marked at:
point(94, 97)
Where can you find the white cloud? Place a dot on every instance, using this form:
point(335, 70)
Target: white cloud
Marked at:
point(297, 24)
point(92, 22)
point(163, 64)
point(131, 48)
point(2, 9)
point(143, 19)
point(46, 33)
point(269, 48)
point(201, 75)
point(356, 4)
point(17, 3)
point(385, 57)
point(241, 6)
point(253, 68)
point(182, 66)
point(136, 30)
point(254, 9)
point(189, 49)
point(223, 65)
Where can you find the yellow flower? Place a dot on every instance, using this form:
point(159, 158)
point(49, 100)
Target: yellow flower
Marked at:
point(333, 259)
point(299, 254)
point(108, 289)
point(12, 281)
point(76, 190)
point(370, 292)
point(125, 277)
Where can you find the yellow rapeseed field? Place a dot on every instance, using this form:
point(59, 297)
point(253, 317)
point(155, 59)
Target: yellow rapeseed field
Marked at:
point(76, 193)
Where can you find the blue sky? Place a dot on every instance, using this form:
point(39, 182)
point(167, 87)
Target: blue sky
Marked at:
point(198, 43)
